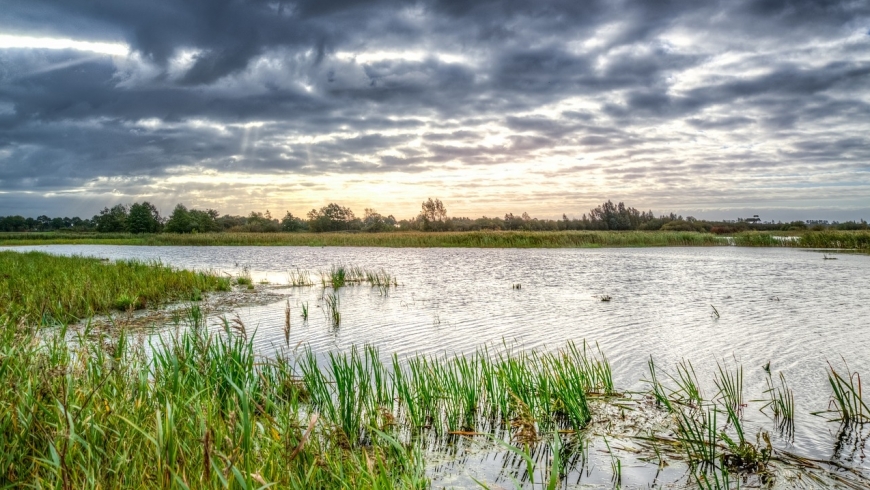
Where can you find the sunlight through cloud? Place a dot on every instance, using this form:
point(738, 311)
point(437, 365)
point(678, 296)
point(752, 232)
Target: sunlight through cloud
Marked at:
point(28, 42)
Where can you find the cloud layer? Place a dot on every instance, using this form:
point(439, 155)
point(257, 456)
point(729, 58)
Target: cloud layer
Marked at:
point(707, 108)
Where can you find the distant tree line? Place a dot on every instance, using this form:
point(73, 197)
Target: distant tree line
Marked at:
point(144, 218)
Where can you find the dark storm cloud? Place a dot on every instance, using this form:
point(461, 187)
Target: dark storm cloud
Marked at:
point(364, 87)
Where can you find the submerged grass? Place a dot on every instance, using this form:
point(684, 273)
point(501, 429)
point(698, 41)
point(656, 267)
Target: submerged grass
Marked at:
point(40, 288)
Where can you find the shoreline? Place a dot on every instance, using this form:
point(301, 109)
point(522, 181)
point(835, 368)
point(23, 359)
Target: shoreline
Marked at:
point(843, 240)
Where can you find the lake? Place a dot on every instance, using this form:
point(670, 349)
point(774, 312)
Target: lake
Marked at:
point(791, 308)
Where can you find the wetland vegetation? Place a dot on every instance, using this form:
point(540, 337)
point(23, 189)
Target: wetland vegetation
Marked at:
point(856, 240)
point(41, 288)
point(198, 407)
point(203, 410)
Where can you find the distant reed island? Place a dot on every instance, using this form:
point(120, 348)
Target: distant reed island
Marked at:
point(608, 225)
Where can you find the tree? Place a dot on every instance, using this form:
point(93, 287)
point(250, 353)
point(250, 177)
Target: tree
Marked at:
point(375, 222)
point(433, 215)
point(291, 223)
point(203, 221)
point(609, 216)
point(143, 218)
point(183, 220)
point(179, 220)
point(260, 222)
point(112, 220)
point(331, 217)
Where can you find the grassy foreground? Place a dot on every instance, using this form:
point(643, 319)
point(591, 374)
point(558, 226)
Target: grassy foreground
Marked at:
point(36, 286)
point(478, 239)
point(203, 411)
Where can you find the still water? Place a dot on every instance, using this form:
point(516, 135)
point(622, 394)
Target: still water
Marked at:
point(788, 307)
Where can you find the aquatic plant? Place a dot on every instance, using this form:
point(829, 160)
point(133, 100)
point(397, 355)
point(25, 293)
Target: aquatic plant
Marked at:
point(299, 278)
point(730, 386)
point(847, 398)
point(781, 403)
point(337, 277)
point(698, 435)
point(332, 301)
point(287, 322)
point(244, 277)
point(688, 391)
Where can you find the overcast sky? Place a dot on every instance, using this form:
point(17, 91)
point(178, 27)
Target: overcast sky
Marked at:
point(713, 109)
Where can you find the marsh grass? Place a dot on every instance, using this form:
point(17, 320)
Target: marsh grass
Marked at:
point(340, 276)
point(299, 278)
point(333, 302)
point(859, 240)
point(781, 402)
point(476, 239)
point(244, 277)
point(712, 451)
point(730, 386)
point(847, 400)
point(41, 288)
point(202, 411)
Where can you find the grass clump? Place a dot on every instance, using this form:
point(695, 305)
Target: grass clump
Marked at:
point(333, 302)
point(847, 400)
point(781, 403)
point(712, 451)
point(299, 278)
point(39, 288)
point(244, 278)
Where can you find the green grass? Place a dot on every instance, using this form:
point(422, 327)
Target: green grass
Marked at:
point(781, 403)
point(479, 239)
point(203, 412)
point(847, 400)
point(37, 287)
point(482, 239)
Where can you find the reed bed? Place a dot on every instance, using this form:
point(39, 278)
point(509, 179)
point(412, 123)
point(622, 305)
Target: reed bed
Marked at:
point(341, 275)
point(461, 394)
point(858, 240)
point(41, 288)
point(479, 239)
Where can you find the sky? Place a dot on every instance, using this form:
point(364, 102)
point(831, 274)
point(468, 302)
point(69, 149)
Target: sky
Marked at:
point(717, 110)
